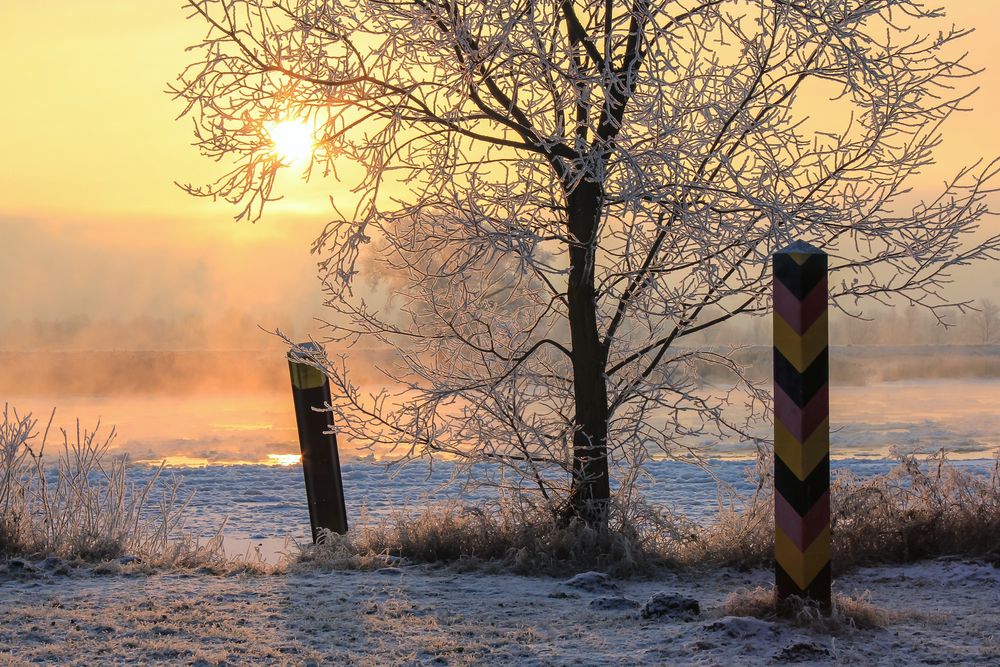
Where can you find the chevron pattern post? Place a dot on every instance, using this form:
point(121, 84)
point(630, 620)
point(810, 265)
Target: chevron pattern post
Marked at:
point(801, 424)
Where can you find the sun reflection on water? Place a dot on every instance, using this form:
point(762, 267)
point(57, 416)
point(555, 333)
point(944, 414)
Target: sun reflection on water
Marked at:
point(284, 459)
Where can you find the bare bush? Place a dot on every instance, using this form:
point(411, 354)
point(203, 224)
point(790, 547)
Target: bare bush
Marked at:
point(920, 509)
point(505, 538)
point(80, 505)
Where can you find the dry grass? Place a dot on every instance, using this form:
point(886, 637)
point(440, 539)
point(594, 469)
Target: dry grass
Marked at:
point(847, 613)
point(503, 539)
point(79, 505)
point(921, 509)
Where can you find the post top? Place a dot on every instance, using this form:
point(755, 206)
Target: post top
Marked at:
point(308, 346)
point(800, 248)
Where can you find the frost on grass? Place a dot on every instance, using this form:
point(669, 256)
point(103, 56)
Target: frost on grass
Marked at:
point(505, 539)
point(847, 614)
point(74, 502)
point(920, 509)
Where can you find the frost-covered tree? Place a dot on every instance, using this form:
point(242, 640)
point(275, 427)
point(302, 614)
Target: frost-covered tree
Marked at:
point(561, 192)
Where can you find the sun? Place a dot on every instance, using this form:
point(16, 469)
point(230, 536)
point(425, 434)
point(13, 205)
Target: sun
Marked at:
point(292, 140)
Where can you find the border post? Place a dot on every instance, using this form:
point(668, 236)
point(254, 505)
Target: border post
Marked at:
point(801, 424)
point(318, 443)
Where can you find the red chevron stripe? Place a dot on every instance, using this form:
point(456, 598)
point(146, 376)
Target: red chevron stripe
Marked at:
point(801, 422)
point(800, 315)
point(802, 530)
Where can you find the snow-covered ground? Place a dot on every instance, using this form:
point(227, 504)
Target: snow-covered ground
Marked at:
point(942, 612)
point(265, 506)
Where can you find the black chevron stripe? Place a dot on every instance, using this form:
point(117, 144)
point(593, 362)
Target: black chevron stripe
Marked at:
point(800, 280)
point(801, 387)
point(802, 495)
point(818, 589)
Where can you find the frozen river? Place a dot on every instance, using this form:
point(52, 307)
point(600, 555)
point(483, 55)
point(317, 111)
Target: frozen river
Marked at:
point(224, 445)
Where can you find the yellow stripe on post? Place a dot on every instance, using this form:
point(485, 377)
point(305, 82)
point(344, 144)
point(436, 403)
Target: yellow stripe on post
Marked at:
point(801, 458)
point(305, 376)
point(802, 566)
point(801, 350)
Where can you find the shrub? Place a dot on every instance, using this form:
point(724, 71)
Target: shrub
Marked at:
point(918, 510)
point(510, 537)
point(80, 505)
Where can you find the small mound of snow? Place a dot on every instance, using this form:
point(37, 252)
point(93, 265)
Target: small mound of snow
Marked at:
point(671, 605)
point(53, 564)
point(592, 582)
point(562, 595)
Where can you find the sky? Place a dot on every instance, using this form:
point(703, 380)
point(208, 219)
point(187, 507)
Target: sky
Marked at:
point(93, 226)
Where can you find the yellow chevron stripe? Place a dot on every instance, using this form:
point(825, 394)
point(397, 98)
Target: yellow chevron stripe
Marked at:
point(802, 566)
point(801, 350)
point(801, 458)
point(800, 258)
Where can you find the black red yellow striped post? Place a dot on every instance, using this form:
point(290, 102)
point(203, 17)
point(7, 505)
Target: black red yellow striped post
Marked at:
point(320, 459)
point(801, 424)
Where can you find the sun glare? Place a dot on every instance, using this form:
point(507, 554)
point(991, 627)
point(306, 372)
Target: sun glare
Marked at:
point(283, 459)
point(292, 139)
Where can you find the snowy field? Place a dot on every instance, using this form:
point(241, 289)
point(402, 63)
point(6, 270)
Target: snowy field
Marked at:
point(942, 612)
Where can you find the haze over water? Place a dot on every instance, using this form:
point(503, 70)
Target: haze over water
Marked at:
point(231, 412)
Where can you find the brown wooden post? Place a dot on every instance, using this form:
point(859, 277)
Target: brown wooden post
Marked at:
point(318, 443)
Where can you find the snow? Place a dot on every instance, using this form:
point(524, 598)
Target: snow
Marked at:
point(943, 612)
point(265, 506)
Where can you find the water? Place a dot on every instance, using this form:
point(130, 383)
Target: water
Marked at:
point(961, 416)
point(220, 445)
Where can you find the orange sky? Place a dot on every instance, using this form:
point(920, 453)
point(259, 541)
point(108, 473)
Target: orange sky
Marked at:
point(92, 223)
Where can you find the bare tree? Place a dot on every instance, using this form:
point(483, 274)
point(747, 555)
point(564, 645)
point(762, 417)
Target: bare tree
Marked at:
point(988, 319)
point(564, 190)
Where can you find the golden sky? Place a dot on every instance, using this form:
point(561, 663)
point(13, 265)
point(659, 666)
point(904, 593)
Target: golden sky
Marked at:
point(92, 223)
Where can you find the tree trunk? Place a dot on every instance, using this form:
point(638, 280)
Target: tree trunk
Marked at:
point(591, 491)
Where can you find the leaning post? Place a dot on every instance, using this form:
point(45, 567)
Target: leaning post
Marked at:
point(318, 443)
point(801, 424)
